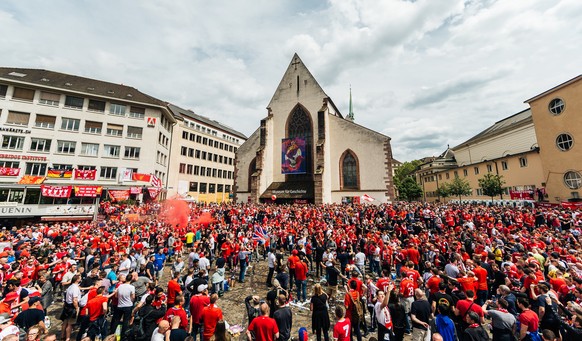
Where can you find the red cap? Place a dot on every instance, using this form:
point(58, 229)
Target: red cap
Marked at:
point(294, 252)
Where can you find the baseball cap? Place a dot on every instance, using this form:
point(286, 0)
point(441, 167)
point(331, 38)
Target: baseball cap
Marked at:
point(202, 287)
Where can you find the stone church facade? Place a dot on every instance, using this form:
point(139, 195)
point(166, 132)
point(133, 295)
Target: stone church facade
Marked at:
point(305, 151)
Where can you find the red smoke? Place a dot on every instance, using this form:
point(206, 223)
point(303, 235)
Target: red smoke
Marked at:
point(205, 219)
point(176, 212)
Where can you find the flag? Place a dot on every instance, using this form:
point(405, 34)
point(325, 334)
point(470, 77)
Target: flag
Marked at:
point(118, 195)
point(141, 177)
point(156, 182)
point(7, 171)
point(60, 173)
point(31, 180)
point(85, 174)
point(368, 198)
point(88, 191)
point(260, 234)
point(154, 191)
point(55, 191)
point(126, 174)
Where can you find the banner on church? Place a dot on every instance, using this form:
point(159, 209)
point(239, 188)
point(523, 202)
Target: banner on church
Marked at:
point(293, 156)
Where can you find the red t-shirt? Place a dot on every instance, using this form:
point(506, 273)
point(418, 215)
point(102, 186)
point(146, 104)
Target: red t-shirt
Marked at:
point(407, 287)
point(463, 307)
point(530, 319)
point(264, 328)
point(197, 303)
point(177, 311)
point(433, 284)
point(173, 290)
point(210, 316)
point(342, 330)
point(467, 283)
point(383, 284)
point(481, 275)
point(95, 307)
point(349, 303)
point(301, 271)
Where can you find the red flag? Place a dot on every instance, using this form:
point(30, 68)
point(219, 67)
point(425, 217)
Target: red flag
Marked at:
point(154, 191)
point(119, 195)
point(31, 180)
point(135, 190)
point(85, 174)
point(88, 191)
point(141, 177)
point(368, 198)
point(156, 182)
point(6, 171)
point(56, 191)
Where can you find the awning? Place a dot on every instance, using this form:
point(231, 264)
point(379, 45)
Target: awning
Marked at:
point(66, 218)
point(290, 190)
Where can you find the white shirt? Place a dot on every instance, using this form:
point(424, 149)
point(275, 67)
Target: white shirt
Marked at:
point(360, 259)
point(124, 267)
point(204, 263)
point(124, 292)
point(157, 336)
point(271, 259)
point(73, 292)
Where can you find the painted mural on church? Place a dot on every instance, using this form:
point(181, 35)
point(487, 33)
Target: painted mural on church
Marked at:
point(292, 156)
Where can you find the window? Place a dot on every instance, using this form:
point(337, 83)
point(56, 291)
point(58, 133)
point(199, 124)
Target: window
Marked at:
point(564, 142)
point(89, 149)
point(191, 152)
point(74, 102)
point(18, 118)
point(456, 174)
point(220, 188)
point(23, 94)
point(134, 132)
point(108, 173)
point(489, 168)
point(117, 109)
point(556, 106)
point(183, 151)
point(3, 90)
point(132, 152)
point(203, 187)
point(87, 167)
point(197, 153)
point(465, 173)
point(198, 138)
point(136, 112)
point(111, 151)
point(62, 167)
point(93, 127)
point(572, 179)
point(208, 172)
point(220, 173)
point(114, 130)
point(189, 169)
point(211, 188)
point(476, 169)
point(193, 187)
point(523, 161)
point(12, 142)
point(49, 98)
point(204, 141)
point(214, 172)
point(209, 156)
point(447, 176)
point(227, 188)
point(70, 124)
point(182, 168)
point(66, 147)
point(215, 158)
point(504, 165)
point(349, 171)
point(203, 155)
point(202, 171)
point(95, 105)
point(184, 135)
point(33, 168)
point(44, 121)
point(192, 137)
point(40, 145)
point(196, 170)
point(10, 164)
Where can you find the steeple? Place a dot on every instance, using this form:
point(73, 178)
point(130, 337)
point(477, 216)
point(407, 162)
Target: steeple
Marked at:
point(351, 113)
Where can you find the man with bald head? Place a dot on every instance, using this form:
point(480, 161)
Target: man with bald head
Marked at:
point(263, 327)
point(420, 314)
point(160, 332)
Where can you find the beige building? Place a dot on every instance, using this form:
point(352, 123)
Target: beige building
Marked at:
point(507, 148)
point(203, 156)
point(306, 151)
point(558, 128)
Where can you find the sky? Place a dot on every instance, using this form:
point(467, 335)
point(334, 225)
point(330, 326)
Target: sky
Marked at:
point(427, 73)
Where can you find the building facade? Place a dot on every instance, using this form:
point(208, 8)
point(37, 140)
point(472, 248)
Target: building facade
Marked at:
point(508, 148)
point(67, 140)
point(305, 151)
point(203, 158)
point(558, 129)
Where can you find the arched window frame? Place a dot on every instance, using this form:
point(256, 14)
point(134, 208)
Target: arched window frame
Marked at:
point(341, 170)
point(252, 169)
point(309, 143)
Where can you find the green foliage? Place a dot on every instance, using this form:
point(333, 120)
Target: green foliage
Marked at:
point(444, 190)
point(406, 170)
point(409, 190)
point(492, 185)
point(459, 187)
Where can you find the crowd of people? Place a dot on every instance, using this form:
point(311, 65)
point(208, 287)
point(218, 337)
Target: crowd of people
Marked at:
point(447, 272)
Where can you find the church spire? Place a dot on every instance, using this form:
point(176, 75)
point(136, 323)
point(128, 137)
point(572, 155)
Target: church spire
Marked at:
point(351, 113)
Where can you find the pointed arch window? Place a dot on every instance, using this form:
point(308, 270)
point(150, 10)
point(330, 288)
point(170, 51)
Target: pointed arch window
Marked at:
point(252, 170)
point(299, 125)
point(349, 173)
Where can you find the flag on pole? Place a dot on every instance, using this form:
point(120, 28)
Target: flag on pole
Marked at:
point(368, 198)
point(155, 181)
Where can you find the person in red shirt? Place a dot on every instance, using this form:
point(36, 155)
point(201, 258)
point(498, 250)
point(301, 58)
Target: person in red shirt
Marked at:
point(291, 265)
point(178, 310)
point(263, 327)
point(197, 303)
point(468, 304)
point(209, 317)
point(384, 281)
point(341, 330)
point(301, 279)
point(482, 288)
point(97, 309)
point(413, 255)
point(529, 320)
point(350, 297)
point(433, 283)
point(174, 289)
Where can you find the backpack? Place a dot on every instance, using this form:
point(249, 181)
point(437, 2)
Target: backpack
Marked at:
point(137, 332)
point(357, 308)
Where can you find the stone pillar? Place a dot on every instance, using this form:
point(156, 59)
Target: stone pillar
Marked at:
point(390, 196)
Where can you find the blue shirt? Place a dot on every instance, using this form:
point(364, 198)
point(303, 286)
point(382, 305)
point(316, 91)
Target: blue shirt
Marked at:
point(159, 261)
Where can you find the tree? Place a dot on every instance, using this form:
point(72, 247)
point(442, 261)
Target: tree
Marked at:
point(444, 190)
point(460, 187)
point(404, 171)
point(409, 190)
point(492, 185)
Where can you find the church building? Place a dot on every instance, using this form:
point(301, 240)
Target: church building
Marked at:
point(306, 151)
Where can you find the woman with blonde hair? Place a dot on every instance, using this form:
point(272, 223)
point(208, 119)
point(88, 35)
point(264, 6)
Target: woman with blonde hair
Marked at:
point(319, 315)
